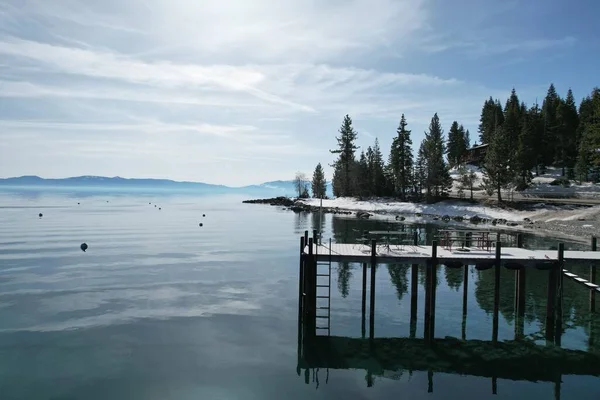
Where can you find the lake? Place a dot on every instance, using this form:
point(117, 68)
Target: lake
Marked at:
point(159, 307)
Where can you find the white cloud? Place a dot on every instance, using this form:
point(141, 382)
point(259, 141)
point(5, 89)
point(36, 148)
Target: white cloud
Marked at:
point(147, 86)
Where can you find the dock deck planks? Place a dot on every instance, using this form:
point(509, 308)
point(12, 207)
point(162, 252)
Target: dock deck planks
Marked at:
point(410, 254)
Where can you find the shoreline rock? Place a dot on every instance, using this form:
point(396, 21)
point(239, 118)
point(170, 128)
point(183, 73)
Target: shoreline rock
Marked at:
point(298, 206)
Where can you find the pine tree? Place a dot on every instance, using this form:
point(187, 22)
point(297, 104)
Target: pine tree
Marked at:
point(526, 152)
point(567, 122)
point(401, 159)
point(467, 138)
point(512, 119)
point(549, 107)
point(362, 176)
point(438, 180)
point(497, 166)
point(344, 165)
point(491, 116)
point(420, 171)
point(319, 184)
point(589, 147)
point(379, 184)
point(456, 147)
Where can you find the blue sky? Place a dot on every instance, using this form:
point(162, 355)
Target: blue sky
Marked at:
point(239, 92)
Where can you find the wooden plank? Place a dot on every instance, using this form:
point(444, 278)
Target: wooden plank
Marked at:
point(591, 285)
point(568, 274)
point(408, 253)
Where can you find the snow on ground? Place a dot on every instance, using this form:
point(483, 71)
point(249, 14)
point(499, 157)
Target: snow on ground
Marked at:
point(544, 212)
point(455, 174)
point(450, 208)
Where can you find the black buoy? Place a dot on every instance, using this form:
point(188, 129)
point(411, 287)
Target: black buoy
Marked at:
point(83, 247)
point(201, 224)
point(159, 208)
point(204, 215)
point(41, 215)
point(78, 203)
point(155, 205)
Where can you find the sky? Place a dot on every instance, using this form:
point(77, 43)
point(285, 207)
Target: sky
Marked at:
point(239, 92)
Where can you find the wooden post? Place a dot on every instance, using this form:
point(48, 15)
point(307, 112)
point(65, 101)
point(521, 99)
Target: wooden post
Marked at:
point(306, 237)
point(559, 294)
point(433, 289)
point(494, 385)
point(364, 300)
point(550, 304)
point(414, 291)
point(593, 277)
point(372, 302)
point(311, 291)
point(427, 312)
point(301, 279)
point(315, 237)
point(464, 305)
point(496, 291)
point(519, 295)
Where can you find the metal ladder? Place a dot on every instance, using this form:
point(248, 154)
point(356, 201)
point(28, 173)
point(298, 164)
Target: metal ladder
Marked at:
point(323, 312)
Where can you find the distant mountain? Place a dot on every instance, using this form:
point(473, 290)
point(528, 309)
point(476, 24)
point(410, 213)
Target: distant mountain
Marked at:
point(279, 188)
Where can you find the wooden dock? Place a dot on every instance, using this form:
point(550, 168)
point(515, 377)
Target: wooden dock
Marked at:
point(415, 254)
point(318, 351)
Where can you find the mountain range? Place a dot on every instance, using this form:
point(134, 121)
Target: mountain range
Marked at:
point(279, 188)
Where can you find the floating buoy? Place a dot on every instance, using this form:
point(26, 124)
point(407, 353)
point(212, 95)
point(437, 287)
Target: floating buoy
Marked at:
point(83, 247)
point(155, 205)
point(159, 208)
point(204, 215)
point(201, 224)
point(107, 201)
point(41, 215)
point(78, 203)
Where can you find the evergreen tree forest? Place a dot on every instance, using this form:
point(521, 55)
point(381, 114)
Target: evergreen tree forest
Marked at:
point(520, 141)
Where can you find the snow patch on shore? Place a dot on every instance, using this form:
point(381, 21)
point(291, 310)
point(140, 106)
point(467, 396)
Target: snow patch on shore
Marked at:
point(450, 208)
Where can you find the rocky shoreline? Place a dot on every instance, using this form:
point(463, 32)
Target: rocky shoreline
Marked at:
point(297, 205)
point(577, 229)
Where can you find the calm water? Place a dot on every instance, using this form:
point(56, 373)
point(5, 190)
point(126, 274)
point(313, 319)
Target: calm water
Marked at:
point(161, 308)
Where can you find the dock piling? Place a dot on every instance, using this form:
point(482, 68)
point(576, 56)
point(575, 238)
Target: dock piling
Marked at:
point(464, 305)
point(310, 272)
point(414, 290)
point(433, 290)
point(593, 276)
point(372, 302)
point(364, 299)
point(559, 294)
point(551, 302)
point(496, 291)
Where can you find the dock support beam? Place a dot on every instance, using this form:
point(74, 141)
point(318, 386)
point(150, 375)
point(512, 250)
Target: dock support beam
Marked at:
point(310, 288)
point(496, 291)
point(372, 302)
point(414, 291)
point(559, 294)
point(593, 277)
point(301, 280)
point(464, 305)
point(364, 300)
point(551, 302)
point(520, 276)
point(431, 283)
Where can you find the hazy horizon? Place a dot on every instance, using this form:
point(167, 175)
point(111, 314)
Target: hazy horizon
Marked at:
point(236, 90)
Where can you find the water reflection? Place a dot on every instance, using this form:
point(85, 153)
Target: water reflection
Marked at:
point(519, 358)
